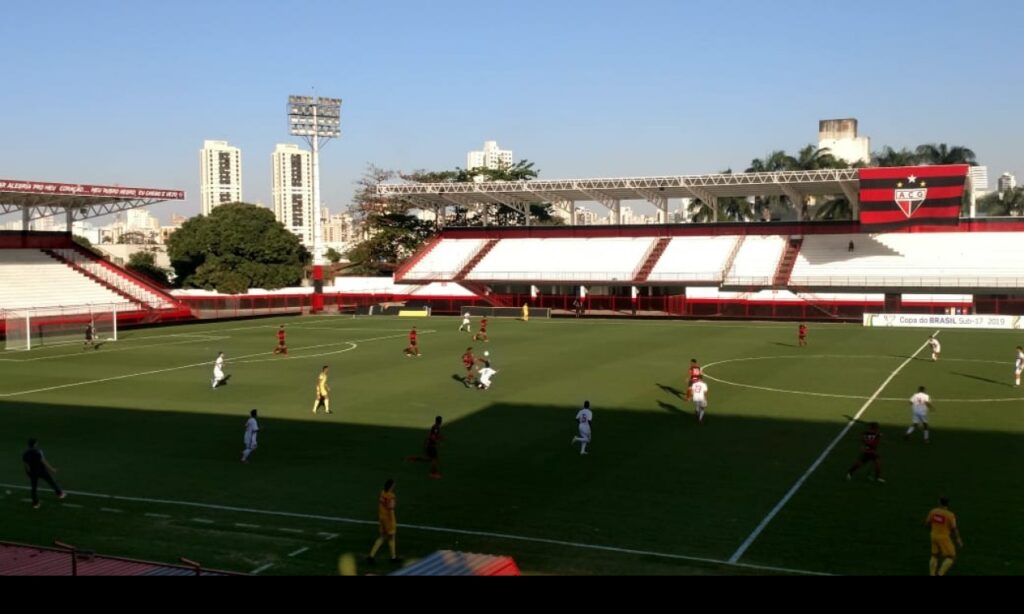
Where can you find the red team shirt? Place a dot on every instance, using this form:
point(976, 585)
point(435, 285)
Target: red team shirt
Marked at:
point(483, 325)
point(695, 374)
point(871, 440)
point(468, 360)
point(412, 337)
point(803, 331)
point(280, 337)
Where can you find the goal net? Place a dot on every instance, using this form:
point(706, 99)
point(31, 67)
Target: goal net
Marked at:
point(30, 329)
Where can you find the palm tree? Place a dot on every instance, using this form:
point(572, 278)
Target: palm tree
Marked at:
point(775, 161)
point(812, 158)
point(943, 154)
point(700, 212)
point(834, 209)
point(892, 157)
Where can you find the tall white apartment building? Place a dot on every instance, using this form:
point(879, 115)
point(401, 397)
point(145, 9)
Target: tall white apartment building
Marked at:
point(979, 180)
point(839, 136)
point(293, 190)
point(220, 174)
point(491, 157)
point(1007, 182)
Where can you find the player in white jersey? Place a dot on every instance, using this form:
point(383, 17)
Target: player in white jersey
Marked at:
point(699, 394)
point(465, 326)
point(218, 370)
point(252, 429)
point(1018, 365)
point(936, 347)
point(485, 374)
point(584, 418)
point(920, 403)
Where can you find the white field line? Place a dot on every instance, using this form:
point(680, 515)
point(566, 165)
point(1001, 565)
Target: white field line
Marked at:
point(190, 366)
point(261, 568)
point(298, 552)
point(821, 458)
point(854, 397)
point(122, 347)
point(504, 536)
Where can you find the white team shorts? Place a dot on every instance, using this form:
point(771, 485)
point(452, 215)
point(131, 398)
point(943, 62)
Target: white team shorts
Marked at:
point(1018, 370)
point(700, 403)
point(920, 416)
point(218, 373)
point(585, 432)
point(250, 441)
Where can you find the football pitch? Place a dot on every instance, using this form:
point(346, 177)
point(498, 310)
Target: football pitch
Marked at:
point(150, 453)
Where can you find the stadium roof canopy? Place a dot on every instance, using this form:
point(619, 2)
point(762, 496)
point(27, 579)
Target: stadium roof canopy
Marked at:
point(39, 199)
point(563, 193)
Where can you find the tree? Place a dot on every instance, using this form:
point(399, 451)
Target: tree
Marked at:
point(813, 158)
point(333, 255)
point(396, 237)
point(837, 208)
point(772, 163)
point(1010, 202)
point(892, 157)
point(144, 263)
point(237, 247)
point(943, 154)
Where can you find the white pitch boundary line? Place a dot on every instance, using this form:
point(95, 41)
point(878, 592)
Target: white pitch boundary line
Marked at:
point(122, 347)
point(800, 482)
point(830, 395)
point(505, 536)
point(298, 552)
point(261, 568)
point(193, 365)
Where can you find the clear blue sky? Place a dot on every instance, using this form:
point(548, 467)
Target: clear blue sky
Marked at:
point(126, 91)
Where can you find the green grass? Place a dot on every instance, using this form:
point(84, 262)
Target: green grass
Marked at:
point(138, 419)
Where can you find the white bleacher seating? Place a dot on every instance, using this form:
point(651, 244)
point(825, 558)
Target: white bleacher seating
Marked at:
point(694, 259)
point(122, 282)
point(31, 279)
point(947, 260)
point(756, 261)
point(445, 260)
point(614, 259)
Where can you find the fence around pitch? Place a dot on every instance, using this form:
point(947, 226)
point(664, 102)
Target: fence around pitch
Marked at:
point(674, 305)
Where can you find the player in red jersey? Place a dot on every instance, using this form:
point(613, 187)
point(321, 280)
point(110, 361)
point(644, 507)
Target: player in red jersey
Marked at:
point(431, 450)
point(413, 349)
point(869, 452)
point(482, 335)
point(801, 334)
point(281, 348)
point(695, 375)
point(469, 361)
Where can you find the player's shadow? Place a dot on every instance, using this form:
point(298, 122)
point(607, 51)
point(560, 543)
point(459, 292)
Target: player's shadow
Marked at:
point(672, 408)
point(983, 379)
point(785, 345)
point(670, 390)
point(460, 379)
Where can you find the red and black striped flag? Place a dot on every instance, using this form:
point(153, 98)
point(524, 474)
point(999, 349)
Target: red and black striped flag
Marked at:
point(903, 196)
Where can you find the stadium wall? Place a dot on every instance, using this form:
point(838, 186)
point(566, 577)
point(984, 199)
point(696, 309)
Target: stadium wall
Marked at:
point(719, 229)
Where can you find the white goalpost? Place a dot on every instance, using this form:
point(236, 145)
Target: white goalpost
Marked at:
point(28, 329)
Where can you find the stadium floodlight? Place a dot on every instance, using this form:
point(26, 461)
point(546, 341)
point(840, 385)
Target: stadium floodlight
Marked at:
point(315, 118)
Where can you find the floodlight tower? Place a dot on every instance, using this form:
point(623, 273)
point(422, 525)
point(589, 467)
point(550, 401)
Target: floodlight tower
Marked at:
point(316, 119)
